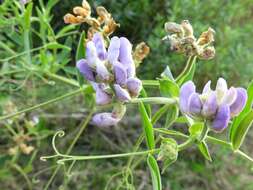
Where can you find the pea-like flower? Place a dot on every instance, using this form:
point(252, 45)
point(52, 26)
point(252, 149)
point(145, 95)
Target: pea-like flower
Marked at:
point(111, 72)
point(216, 107)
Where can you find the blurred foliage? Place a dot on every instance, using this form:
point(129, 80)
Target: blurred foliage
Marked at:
point(54, 44)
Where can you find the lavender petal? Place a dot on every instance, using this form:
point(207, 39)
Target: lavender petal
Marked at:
point(221, 119)
point(120, 73)
point(121, 93)
point(134, 86)
point(100, 46)
point(102, 98)
point(239, 102)
point(113, 50)
point(104, 119)
point(194, 104)
point(85, 69)
point(210, 106)
point(91, 54)
point(185, 92)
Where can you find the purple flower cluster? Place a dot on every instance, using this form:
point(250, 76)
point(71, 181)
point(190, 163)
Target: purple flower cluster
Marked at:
point(216, 107)
point(111, 72)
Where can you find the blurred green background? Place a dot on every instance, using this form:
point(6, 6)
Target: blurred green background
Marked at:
point(141, 20)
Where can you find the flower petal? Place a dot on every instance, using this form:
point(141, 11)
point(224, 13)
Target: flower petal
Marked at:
point(230, 96)
point(239, 102)
point(207, 88)
point(91, 54)
point(221, 119)
point(102, 72)
point(185, 92)
point(104, 119)
point(102, 98)
point(113, 50)
point(121, 93)
point(210, 106)
point(134, 86)
point(221, 89)
point(120, 73)
point(125, 56)
point(194, 104)
point(85, 69)
point(100, 46)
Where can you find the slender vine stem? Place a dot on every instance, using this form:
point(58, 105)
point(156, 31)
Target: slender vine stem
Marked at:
point(42, 104)
point(155, 100)
point(82, 128)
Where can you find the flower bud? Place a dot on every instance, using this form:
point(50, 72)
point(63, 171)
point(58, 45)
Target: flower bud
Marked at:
point(121, 93)
point(134, 86)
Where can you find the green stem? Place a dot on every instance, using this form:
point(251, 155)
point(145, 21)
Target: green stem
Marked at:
point(186, 144)
point(71, 158)
point(63, 79)
point(41, 104)
point(204, 133)
point(82, 128)
point(27, 46)
point(188, 66)
point(209, 139)
point(150, 83)
point(154, 100)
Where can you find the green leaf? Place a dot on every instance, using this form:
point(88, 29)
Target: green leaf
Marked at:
point(172, 115)
point(155, 173)
point(242, 130)
point(244, 112)
point(147, 127)
point(55, 45)
point(143, 94)
point(27, 16)
point(168, 153)
point(168, 88)
point(80, 53)
point(204, 150)
point(196, 129)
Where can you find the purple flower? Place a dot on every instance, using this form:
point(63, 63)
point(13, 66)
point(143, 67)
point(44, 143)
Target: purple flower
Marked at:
point(216, 106)
point(121, 94)
point(120, 73)
point(104, 119)
point(102, 98)
point(134, 86)
point(23, 2)
point(85, 69)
